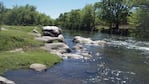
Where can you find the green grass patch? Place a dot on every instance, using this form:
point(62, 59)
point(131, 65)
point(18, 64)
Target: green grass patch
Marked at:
point(18, 60)
point(23, 28)
point(18, 37)
point(12, 39)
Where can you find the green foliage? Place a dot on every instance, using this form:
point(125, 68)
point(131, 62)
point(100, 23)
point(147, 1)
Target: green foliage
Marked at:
point(18, 60)
point(78, 19)
point(23, 15)
point(134, 19)
point(2, 11)
point(74, 19)
point(113, 12)
point(87, 22)
point(140, 15)
point(19, 37)
point(12, 39)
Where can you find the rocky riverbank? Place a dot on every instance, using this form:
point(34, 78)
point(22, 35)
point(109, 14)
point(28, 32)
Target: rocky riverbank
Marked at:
point(56, 44)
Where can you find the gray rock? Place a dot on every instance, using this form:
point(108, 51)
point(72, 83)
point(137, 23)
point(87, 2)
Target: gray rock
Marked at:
point(61, 37)
point(78, 47)
point(79, 39)
point(35, 31)
point(86, 54)
point(72, 56)
point(99, 42)
point(38, 67)
point(88, 41)
point(4, 80)
point(49, 39)
point(58, 47)
point(3, 29)
point(51, 31)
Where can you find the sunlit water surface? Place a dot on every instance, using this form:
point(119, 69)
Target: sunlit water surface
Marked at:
point(124, 60)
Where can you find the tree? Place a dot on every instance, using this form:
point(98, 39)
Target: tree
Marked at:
point(140, 15)
point(74, 19)
point(97, 11)
point(24, 15)
point(87, 18)
point(78, 19)
point(2, 10)
point(114, 12)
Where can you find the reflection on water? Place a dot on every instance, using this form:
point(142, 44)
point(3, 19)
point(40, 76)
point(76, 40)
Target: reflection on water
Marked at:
point(123, 60)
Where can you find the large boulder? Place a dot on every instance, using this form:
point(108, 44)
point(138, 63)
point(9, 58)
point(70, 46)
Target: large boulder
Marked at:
point(51, 31)
point(38, 67)
point(4, 80)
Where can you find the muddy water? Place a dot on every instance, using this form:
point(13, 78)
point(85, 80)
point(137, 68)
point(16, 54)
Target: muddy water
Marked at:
point(124, 60)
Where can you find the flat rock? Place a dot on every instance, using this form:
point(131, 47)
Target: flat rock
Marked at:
point(38, 67)
point(79, 39)
point(4, 80)
point(86, 54)
point(72, 56)
point(78, 47)
point(99, 42)
point(49, 39)
point(58, 47)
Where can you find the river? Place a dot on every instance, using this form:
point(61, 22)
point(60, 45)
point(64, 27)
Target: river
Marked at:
point(125, 60)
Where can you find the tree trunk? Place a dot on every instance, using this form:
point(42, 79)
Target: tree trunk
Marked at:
point(93, 25)
point(117, 26)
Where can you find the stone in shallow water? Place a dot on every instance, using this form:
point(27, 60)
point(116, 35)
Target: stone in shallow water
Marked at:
point(38, 67)
point(79, 39)
point(72, 56)
point(5, 81)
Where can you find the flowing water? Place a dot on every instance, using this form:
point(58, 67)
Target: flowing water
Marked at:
point(124, 60)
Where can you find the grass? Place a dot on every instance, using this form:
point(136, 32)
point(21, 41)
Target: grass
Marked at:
point(18, 60)
point(12, 39)
point(19, 37)
point(23, 28)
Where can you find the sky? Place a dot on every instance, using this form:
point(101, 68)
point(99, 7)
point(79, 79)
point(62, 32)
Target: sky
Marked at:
point(50, 7)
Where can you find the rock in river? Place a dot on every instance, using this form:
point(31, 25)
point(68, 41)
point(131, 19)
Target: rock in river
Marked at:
point(79, 39)
point(58, 47)
point(5, 81)
point(38, 67)
point(50, 39)
point(52, 31)
point(72, 56)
